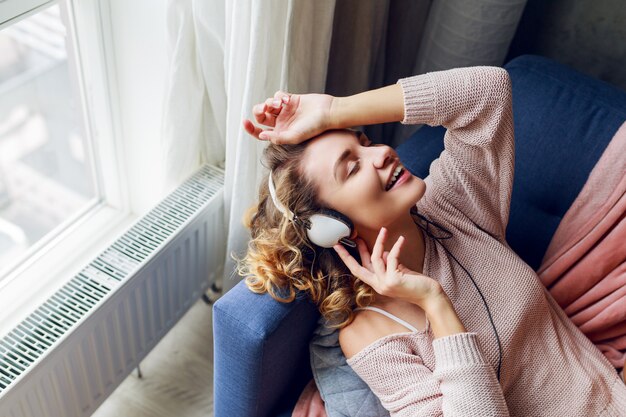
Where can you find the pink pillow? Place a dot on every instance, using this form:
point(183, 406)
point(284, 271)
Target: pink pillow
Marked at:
point(584, 267)
point(310, 403)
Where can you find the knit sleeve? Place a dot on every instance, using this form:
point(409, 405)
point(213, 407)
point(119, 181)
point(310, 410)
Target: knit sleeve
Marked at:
point(462, 383)
point(474, 173)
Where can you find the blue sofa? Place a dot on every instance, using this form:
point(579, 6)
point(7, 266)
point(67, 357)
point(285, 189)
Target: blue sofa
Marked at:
point(563, 122)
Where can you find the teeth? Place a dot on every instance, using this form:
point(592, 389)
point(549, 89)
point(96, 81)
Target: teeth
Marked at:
point(394, 176)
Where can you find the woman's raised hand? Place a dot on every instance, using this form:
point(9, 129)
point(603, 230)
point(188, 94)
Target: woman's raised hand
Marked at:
point(383, 272)
point(294, 117)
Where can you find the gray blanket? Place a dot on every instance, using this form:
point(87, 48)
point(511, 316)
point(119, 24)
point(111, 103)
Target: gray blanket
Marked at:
point(344, 393)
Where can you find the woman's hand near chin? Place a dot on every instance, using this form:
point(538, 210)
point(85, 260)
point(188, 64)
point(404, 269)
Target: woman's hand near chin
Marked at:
point(387, 276)
point(293, 117)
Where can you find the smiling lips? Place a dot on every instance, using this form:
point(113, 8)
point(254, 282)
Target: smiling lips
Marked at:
point(395, 177)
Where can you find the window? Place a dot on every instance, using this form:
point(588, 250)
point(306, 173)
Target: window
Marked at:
point(47, 176)
point(62, 188)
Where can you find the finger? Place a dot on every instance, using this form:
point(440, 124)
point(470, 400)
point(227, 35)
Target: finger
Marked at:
point(289, 103)
point(355, 268)
point(385, 256)
point(282, 96)
point(273, 106)
point(377, 253)
point(392, 259)
point(251, 129)
point(264, 113)
point(284, 137)
point(378, 245)
point(270, 116)
point(259, 113)
point(270, 119)
point(364, 253)
point(271, 136)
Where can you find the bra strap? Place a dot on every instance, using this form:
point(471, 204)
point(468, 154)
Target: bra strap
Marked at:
point(391, 316)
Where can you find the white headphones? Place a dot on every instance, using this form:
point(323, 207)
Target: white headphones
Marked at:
point(325, 228)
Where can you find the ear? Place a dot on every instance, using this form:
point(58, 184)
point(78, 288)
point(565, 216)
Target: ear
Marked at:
point(354, 234)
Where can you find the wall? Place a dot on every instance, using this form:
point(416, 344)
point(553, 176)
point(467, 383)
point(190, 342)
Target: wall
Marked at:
point(588, 35)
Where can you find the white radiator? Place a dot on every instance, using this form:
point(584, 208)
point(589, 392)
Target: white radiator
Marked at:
point(66, 357)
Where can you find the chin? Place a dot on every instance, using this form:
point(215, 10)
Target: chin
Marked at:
point(418, 191)
point(422, 184)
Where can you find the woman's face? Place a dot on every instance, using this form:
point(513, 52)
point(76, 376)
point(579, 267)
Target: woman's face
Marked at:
point(352, 176)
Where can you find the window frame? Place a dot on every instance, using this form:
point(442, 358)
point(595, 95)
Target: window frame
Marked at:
point(13, 10)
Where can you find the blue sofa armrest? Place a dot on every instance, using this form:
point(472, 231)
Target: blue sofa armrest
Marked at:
point(261, 352)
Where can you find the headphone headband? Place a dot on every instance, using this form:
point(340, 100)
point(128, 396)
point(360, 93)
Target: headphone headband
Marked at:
point(277, 203)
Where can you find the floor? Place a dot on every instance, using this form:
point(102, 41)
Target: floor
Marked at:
point(177, 375)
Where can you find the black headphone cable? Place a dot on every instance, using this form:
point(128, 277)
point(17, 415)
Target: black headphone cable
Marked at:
point(448, 236)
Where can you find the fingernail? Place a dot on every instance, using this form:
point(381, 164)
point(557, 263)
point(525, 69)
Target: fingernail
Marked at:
point(286, 99)
point(263, 136)
point(276, 103)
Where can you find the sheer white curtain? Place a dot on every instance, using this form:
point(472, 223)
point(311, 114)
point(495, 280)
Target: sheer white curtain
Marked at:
point(225, 56)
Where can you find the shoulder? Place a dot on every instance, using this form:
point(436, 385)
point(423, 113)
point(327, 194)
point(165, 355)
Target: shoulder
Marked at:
point(366, 328)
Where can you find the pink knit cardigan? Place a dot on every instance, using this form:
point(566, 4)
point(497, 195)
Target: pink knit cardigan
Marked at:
point(549, 368)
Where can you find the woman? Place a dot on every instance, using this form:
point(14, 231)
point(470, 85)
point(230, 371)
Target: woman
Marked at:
point(486, 338)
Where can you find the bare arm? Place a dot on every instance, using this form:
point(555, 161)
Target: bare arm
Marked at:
point(442, 317)
point(382, 105)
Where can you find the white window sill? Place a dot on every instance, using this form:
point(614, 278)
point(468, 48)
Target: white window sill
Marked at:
point(28, 287)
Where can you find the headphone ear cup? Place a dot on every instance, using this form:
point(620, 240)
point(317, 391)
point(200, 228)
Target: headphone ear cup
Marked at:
point(328, 227)
point(338, 216)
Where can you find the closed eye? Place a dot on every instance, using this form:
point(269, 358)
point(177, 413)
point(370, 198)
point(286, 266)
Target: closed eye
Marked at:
point(355, 169)
point(357, 164)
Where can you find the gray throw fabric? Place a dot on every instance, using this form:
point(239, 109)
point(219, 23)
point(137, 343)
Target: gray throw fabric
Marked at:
point(344, 393)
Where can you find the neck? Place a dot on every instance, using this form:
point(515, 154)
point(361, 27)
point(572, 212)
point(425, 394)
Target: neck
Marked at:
point(412, 252)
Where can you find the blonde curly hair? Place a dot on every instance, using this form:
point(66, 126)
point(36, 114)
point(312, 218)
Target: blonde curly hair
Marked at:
point(281, 261)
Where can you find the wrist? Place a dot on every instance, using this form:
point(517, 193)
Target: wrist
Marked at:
point(442, 317)
point(437, 303)
point(335, 116)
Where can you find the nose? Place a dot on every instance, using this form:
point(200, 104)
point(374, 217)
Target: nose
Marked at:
point(384, 155)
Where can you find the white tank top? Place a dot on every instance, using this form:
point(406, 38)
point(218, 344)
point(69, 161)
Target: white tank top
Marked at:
point(391, 316)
